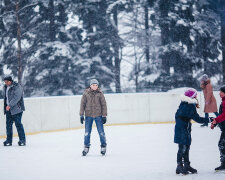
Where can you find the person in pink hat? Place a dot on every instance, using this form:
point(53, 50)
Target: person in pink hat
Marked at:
point(185, 113)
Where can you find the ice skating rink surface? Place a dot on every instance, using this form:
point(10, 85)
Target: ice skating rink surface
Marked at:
point(134, 152)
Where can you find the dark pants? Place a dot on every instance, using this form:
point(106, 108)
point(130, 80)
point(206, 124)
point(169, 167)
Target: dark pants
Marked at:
point(222, 147)
point(19, 126)
point(183, 153)
point(88, 128)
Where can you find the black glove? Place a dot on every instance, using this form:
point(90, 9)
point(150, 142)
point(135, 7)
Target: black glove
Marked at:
point(211, 119)
point(104, 120)
point(81, 119)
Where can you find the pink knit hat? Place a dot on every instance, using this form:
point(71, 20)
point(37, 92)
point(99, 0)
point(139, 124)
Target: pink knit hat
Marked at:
point(191, 92)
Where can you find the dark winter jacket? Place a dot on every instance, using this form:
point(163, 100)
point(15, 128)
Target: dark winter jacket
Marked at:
point(93, 103)
point(185, 113)
point(221, 118)
point(15, 95)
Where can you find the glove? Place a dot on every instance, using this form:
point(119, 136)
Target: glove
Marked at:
point(213, 124)
point(211, 119)
point(104, 120)
point(81, 119)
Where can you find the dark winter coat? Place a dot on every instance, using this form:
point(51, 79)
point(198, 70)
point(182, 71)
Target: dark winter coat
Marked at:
point(221, 118)
point(15, 95)
point(93, 103)
point(185, 113)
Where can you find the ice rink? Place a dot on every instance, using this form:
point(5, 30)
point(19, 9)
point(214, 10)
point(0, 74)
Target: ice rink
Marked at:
point(134, 152)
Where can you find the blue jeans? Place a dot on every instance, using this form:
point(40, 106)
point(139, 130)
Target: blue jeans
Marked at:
point(88, 128)
point(19, 126)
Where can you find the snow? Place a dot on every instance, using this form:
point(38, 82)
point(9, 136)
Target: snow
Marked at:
point(134, 152)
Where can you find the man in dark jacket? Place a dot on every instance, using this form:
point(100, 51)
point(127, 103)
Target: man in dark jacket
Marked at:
point(220, 121)
point(185, 113)
point(13, 109)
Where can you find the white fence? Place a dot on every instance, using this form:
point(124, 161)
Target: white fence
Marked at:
point(53, 113)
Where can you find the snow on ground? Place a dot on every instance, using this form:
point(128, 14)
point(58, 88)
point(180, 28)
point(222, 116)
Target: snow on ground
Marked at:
point(135, 152)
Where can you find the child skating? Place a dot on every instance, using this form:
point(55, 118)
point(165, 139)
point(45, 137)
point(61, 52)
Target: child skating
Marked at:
point(93, 106)
point(220, 121)
point(185, 113)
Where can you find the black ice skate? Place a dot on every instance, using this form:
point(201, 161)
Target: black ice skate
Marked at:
point(85, 151)
point(7, 143)
point(180, 169)
point(220, 168)
point(188, 168)
point(21, 143)
point(103, 150)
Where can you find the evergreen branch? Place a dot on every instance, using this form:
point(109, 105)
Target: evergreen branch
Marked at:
point(10, 12)
point(30, 5)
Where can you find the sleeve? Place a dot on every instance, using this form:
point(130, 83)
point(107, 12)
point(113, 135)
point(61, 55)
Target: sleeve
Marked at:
point(221, 117)
point(209, 93)
point(103, 105)
point(17, 96)
point(195, 116)
point(83, 104)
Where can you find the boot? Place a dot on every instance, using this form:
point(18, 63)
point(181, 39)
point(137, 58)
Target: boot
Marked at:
point(187, 167)
point(103, 150)
point(221, 167)
point(22, 143)
point(180, 169)
point(7, 143)
point(85, 151)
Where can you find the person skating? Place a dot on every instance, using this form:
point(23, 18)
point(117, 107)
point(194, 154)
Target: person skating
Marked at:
point(13, 109)
point(220, 121)
point(185, 113)
point(93, 106)
point(210, 100)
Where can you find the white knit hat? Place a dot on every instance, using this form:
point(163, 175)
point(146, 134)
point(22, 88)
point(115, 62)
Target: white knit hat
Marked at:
point(204, 77)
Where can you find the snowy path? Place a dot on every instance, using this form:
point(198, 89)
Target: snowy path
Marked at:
point(137, 152)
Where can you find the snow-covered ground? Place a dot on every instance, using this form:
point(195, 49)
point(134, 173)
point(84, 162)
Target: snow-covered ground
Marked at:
point(140, 152)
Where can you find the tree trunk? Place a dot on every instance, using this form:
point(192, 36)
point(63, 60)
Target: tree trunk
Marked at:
point(147, 38)
point(19, 50)
point(52, 31)
point(164, 26)
point(116, 53)
point(147, 34)
point(222, 19)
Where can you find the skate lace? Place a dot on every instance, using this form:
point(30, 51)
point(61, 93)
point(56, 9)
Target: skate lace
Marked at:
point(86, 149)
point(103, 148)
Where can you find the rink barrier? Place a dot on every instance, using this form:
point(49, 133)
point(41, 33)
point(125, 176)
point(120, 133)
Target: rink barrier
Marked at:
point(82, 127)
point(53, 114)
